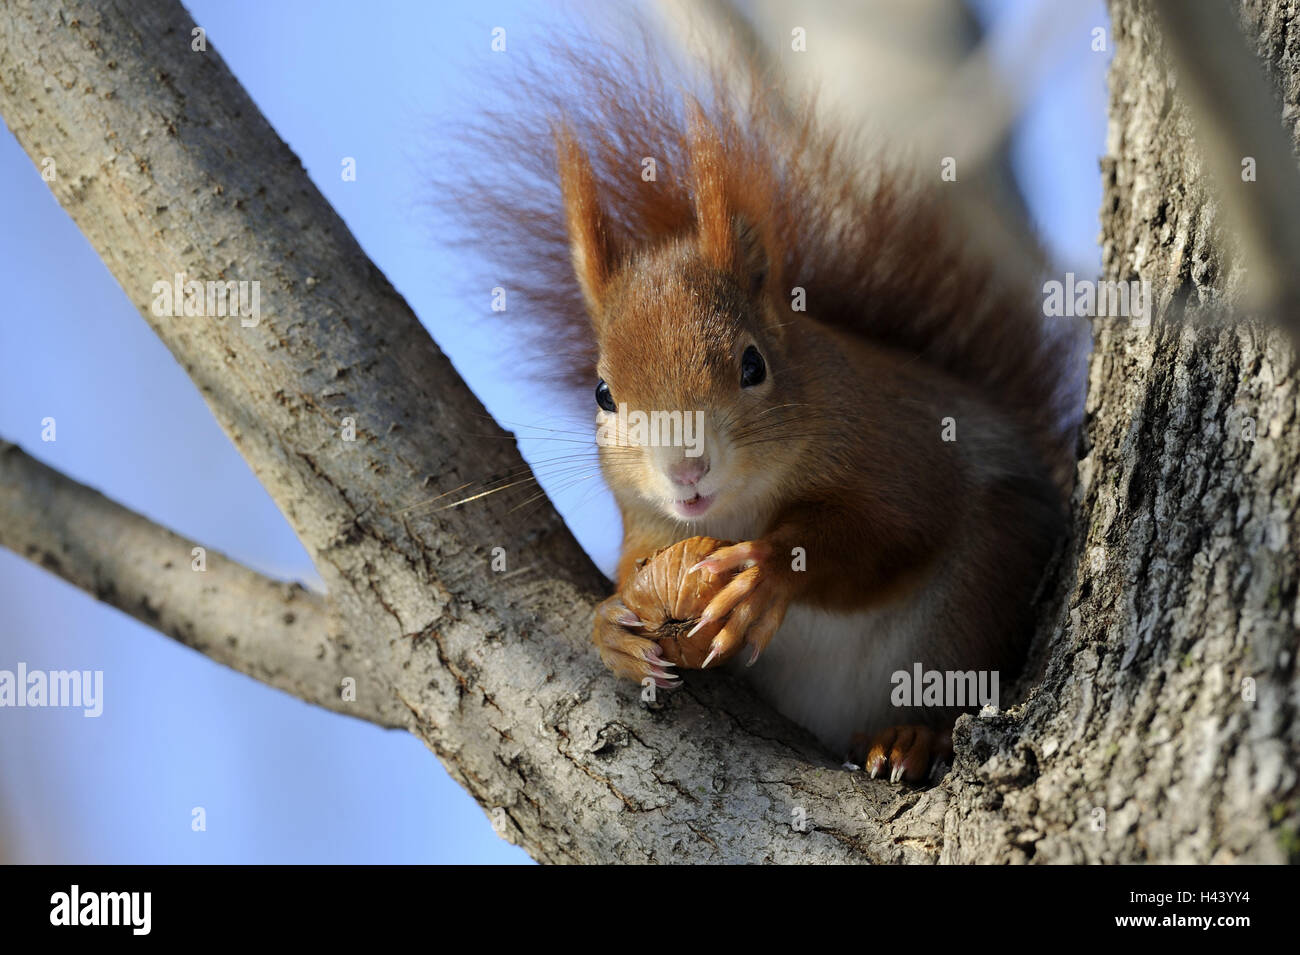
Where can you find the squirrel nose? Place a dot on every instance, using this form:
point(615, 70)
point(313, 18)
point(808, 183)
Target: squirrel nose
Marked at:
point(688, 472)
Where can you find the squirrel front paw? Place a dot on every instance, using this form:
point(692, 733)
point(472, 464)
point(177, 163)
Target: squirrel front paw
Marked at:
point(623, 651)
point(909, 752)
point(752, 604)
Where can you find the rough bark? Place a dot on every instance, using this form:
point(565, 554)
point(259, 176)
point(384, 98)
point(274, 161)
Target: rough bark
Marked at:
point(1161, 722)
point(1187, 585)
point(1186, 525)
point(1143, 740)
point(167, 166)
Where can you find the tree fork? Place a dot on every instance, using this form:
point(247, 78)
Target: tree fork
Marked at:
point(1174, 591)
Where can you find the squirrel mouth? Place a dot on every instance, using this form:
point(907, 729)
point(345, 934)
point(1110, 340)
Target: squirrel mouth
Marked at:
point(695, 507)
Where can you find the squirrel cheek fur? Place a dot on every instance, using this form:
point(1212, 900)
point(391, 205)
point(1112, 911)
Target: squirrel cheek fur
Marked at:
point(912, 549)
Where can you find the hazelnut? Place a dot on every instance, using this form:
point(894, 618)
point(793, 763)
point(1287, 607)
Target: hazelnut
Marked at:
point(670, 600)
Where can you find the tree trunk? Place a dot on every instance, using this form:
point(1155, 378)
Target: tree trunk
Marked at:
point(1161, 723)
point(1136, 742)
point(1164, 726)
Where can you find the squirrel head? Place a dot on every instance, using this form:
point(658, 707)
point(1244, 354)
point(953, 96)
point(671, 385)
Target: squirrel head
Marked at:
point(697, 401)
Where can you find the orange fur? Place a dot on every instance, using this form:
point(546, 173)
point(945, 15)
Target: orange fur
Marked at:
point(661, 287)
point(878, 255)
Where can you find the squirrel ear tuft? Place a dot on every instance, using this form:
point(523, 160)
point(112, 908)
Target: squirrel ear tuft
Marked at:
point(590, 243)
point(751, 261)
point(728, 239)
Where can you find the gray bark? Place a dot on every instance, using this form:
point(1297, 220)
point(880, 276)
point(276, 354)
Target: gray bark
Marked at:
point(279, 633)
point(167, 166)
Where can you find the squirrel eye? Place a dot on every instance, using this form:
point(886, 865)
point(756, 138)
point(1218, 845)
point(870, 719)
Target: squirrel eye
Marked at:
point(752, 368)
point(604, 398)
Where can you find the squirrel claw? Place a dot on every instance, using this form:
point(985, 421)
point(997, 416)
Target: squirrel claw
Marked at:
point(629, 655)
point(753, 603)
point(910, 752)
point(734, 556)
point(704, 620)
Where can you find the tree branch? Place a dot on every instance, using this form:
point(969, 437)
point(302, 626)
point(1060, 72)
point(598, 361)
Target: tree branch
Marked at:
point(1237, 116)
point(168, 167)
point(276, 632)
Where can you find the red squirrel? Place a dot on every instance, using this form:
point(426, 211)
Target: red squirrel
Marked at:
point(884, 433)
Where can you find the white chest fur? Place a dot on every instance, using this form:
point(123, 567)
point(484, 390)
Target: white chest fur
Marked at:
point(832, 672)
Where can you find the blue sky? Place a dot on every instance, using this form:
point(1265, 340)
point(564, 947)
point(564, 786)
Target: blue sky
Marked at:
point(281, 781)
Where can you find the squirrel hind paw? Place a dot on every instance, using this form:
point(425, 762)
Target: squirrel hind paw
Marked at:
point(907, 753)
